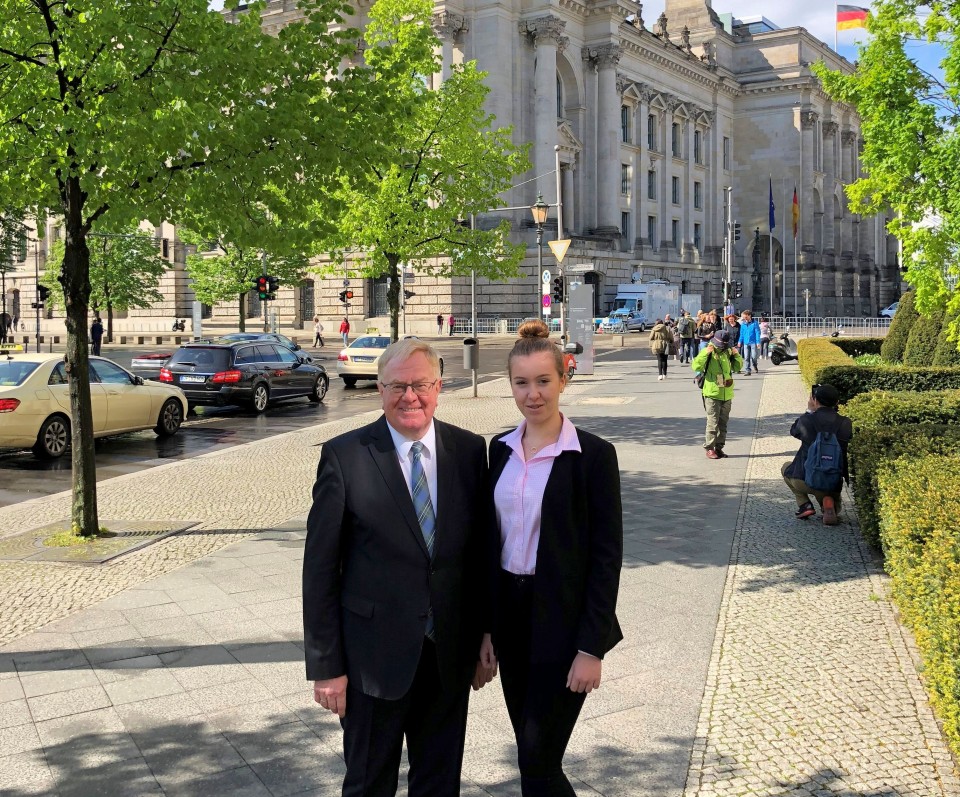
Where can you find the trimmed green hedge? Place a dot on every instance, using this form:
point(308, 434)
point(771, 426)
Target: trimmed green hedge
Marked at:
point(817, 354)
point(946, 353)
point(895, 342)
point(920, 505)
point(886, 408)
point(923, 338)
point(874, 447)
point(856, 347)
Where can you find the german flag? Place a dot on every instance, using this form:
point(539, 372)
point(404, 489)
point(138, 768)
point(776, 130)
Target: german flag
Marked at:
point(851, 17)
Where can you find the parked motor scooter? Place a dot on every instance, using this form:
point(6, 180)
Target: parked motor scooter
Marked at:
point(179, 324)
point(782, 350)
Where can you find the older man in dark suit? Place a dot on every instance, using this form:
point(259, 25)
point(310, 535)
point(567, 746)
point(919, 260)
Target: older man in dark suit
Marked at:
point(394, 583)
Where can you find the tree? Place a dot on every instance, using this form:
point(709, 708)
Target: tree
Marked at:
point(923, 338)
point(225, 270)
point(125, 272)
point(114, 112)
point(912, 144)
point(445, 161)
point(895, 343)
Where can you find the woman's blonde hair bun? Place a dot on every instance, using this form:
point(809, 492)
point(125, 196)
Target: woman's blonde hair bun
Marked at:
point(534, 328)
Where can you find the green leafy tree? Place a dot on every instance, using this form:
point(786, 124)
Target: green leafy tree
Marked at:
point(912, 143)
point(923, 338)
point(125, 272)
point(444, 161)
point(895, 343)
point(223, 270)
point(947, 353)
point(112, 112)
point(13, 249)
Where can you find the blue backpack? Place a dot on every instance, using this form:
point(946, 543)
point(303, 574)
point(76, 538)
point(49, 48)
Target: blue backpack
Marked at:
point(823, 467)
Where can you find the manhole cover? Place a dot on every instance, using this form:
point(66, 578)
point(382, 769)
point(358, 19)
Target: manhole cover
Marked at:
point(122, 537)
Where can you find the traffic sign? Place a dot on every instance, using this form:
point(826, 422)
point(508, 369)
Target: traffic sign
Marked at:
point(547, 301)
point(545, 277)
point(559, 248)
point(580, 268)
point(346, 283)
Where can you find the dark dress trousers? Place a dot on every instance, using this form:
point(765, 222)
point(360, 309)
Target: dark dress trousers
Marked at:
point(369, 586)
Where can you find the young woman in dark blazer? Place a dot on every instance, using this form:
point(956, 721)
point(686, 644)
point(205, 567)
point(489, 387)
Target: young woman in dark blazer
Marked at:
point(556, 492)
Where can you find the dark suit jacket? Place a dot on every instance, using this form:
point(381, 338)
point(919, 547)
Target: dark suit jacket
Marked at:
point(368, 582)
point(580, 552)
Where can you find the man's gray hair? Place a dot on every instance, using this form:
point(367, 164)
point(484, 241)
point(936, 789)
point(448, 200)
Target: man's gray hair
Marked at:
point(403, 350)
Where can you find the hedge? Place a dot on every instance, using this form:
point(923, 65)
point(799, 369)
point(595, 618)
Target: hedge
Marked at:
point(856, 347)
point(817, 354)
point(895, 342)
point(920, 505)
point(946, 352)
point(885, 408)
point(923, 338)
point(851, 380)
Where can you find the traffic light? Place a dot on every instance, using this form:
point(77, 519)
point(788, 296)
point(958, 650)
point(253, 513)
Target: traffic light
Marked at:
point(557, 296)
point(736, 231)
point(408, 294)
point(273, 283)
point(725, 289)
point(345, 296)
point(43, 292)
point(737, 289)
point(262, 285)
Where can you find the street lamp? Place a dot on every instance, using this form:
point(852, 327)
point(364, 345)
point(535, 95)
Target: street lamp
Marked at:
point(539, 210)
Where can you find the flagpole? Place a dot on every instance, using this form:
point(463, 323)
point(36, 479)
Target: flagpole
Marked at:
point(783, 260)
point(771, 223)
point(799, 194)
point(835, 12)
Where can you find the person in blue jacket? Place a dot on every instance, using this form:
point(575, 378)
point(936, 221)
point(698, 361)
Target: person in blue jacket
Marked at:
point(750, 342)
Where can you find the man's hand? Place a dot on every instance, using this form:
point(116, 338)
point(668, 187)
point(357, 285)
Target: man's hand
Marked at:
point(486, 665)
point(331, 694)
point(584, 675)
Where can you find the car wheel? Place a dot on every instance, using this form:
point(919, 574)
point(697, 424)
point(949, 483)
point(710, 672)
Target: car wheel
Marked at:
point(170, 418)
point(349, 381)
point(643, 327)
point(320, 388)
point(261, 397)
point(53, 438)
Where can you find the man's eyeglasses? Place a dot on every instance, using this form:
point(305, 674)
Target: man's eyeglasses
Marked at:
point(400, 388)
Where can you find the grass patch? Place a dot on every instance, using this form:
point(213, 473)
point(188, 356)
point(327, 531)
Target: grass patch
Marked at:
point(67, 538)
point(869, 359)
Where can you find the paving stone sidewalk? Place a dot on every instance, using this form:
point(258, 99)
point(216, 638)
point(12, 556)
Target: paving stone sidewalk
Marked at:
point(759, 654)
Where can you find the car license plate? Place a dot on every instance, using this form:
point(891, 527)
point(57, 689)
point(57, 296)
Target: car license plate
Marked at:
point(363, 359)
point(188, 378)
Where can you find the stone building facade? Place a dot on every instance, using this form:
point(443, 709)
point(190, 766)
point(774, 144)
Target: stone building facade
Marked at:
point(654, 123)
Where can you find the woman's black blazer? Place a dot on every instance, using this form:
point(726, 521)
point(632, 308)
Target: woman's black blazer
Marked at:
point(580, 552)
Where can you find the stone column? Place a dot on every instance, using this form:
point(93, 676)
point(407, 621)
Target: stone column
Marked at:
point(686, 222)
point(546, 34)
point(846, 303)
point(569, 216)
point(665, 192)
point(449, 27)
point(607, 57)
point(808, 125)
point(829, 186)
point(588, 158)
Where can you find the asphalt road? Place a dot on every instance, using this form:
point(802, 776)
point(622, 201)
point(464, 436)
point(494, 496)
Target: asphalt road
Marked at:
point(23, 477)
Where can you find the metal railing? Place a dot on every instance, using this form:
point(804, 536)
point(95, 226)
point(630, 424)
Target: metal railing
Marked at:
point(851, 327)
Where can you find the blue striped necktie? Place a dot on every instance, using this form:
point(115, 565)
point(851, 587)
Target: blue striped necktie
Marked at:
point(423, 506)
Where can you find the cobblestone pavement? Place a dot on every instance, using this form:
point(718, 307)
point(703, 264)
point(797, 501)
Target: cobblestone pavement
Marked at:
point(812, 688)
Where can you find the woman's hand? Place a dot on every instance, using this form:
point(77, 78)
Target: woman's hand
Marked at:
point(584, 675)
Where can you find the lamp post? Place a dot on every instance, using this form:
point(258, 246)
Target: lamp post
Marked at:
point(539, 210)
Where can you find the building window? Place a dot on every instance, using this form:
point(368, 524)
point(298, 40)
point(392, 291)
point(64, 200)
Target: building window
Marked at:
point(624, 178)
point(696, 237)
point(726, 153)
point(625, 135)
point(625, 225)
point(652, 132)
point(559, 98)
point(697, 146)
point(651, 184)
point(698, 196)
point(675, 233)
point(652, 231)
point(675, 190)
point(675, 139)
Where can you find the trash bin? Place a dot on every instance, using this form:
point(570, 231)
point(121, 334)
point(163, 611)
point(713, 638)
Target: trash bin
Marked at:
point(471, 354)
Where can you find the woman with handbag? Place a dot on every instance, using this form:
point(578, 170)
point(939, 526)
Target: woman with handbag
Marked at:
point(661, 345)
point(556, 495)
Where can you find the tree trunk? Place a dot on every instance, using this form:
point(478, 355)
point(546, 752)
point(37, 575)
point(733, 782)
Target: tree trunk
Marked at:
point(393, 296)
point(75, 279)
point(243, 312)
point(109, 317)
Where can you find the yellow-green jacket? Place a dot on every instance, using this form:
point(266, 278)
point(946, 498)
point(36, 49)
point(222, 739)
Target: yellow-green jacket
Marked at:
point(724, 362)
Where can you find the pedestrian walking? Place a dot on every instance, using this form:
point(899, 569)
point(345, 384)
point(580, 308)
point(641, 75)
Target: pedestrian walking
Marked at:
point(750, 342)
point(765, 336)
point(450, 322)
point(556, 492)
point(731, 325)
point(707, 328)
point(661, 343)
point(96, 335)
point(345, 330)
point(396, 571)
point(821, 417)
point(717, 363)
point(686, 328)
point(439, 324)
point(317, 332)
